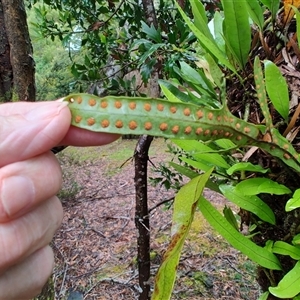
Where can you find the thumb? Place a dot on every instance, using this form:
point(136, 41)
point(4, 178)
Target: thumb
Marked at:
point(29, 129)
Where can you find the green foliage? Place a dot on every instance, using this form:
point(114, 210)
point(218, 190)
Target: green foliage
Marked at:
point(53, 73)
point(250, 203)
point(206, 60)
point(114, 39)
point(245, 184)
point(258, 254)
point(167, 178)
point(289, 286)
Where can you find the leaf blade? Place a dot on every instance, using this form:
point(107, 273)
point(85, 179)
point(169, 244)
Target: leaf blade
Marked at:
point(184, 208)
point(258, 254)
point(237, 29)
point(251, 203)
point(277, 89)
point(289, 286)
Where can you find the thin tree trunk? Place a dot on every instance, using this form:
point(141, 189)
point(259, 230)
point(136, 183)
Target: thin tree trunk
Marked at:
point(142, 220)
point(142, 214)
point(6, 73)
point(20, 47)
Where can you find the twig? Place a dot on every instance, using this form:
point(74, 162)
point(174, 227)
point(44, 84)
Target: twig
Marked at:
point(161, 203)
point(64, 278)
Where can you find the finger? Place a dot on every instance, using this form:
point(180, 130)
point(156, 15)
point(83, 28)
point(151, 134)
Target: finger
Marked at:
point(25, 235)
point(81, 137)
point(26, 280)
point(37, 127)
point(25, 184)
point(29, 129)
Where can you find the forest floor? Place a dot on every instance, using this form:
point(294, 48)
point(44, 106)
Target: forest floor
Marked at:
point(95, 248)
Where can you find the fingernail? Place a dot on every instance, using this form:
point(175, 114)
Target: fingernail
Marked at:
point(16, 194)
point(46, 110)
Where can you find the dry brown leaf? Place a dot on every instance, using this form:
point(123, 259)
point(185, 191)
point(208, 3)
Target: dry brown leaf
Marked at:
point(288, 11)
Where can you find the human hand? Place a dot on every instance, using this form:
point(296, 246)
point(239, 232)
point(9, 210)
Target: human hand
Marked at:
point(30, 177)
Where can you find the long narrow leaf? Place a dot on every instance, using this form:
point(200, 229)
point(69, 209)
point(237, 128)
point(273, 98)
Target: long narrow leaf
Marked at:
point(259, 185)
point(277, 89)
point(251, 203)
point(272, 5)
point(192, 174)
point(200, 18)
point(261, 92)
point(218, 31)
point(295, 9)
point(237, 29)
point(206, 43)
point(184, 208)
point(246, 166)
point(258, 254)
point(256, 13)
point(284, 248)
point(289, 286)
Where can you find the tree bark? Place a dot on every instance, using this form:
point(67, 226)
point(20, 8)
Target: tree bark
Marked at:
point(142, 219)
point(142, 222)
point(6, 73)
point(21, 52)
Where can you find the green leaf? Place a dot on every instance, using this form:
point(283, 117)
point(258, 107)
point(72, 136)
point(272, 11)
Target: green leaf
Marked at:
point(277, 89)
point(229, 216)
point(202, 153)
point(246, 166)
point(191, 75)
point(297, 13)
point(200, 18)
point(254, 186)
point(251, 203)
point(183, 213)
point(261, 92)
point(237, 29)
point(256, 13)
point(151, 32)
point(258, 254)
point(199, 165)
point(294, 202)
point(264, 296)
point(289, 285)
point(272, 5)
point(192, 146)
point(149, 52)
point(206, 43)
point(192, 174)
point(284, 248)
point(225, 144)
point(296, 239)
point(168, 93)
point(214, 70)
point(183, 170)
point(218, 31)
point(269, 245)
point(174, 90)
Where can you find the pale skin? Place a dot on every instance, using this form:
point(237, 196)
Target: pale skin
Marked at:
point(30, 177)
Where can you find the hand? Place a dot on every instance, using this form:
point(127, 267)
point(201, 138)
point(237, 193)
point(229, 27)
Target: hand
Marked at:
point(30, 176)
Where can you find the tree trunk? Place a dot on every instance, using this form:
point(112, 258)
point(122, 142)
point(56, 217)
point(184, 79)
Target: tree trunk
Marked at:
point(21, 59)
point(142, 220)
point(6, 73)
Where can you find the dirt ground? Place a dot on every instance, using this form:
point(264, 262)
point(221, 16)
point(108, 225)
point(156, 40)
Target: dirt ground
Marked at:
point(95, 248)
